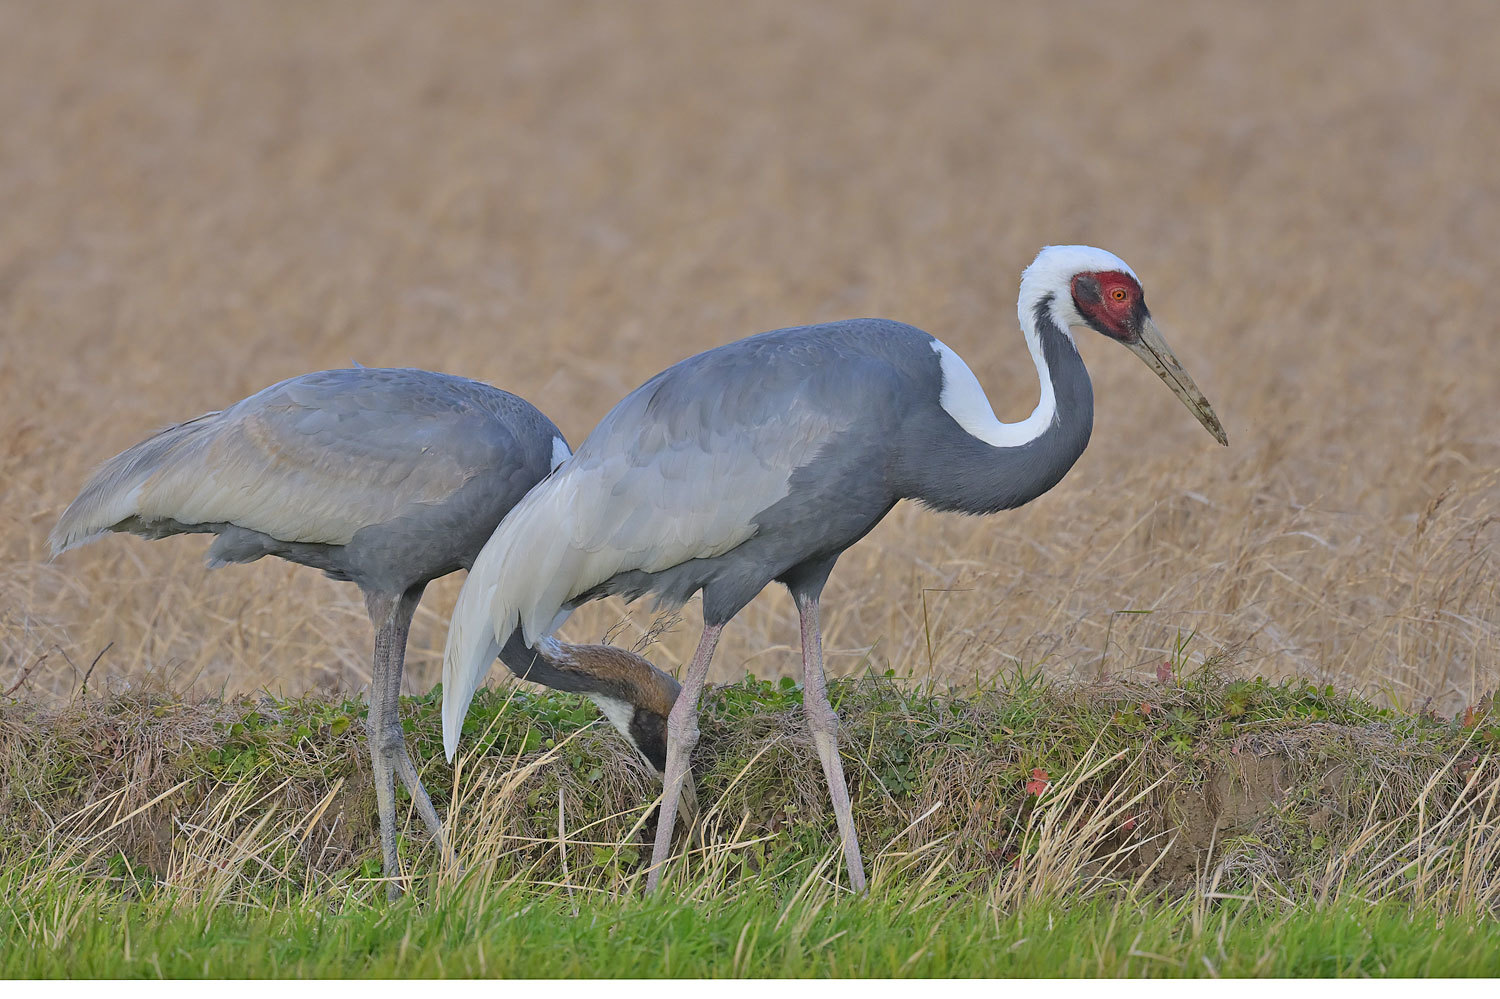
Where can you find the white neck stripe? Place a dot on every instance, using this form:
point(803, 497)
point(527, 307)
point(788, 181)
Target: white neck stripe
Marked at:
point(1049, 276)
point(965, 401)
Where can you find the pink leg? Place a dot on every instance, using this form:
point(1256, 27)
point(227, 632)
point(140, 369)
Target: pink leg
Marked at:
point(682, 736)
point(823, 724)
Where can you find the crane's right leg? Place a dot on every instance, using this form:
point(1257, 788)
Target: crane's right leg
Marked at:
point(389, 758)
point(682, 736)
point(823, 725)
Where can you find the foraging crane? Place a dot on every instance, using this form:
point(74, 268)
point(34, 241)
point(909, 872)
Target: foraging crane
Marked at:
point(387, 478)
point(767, 458)
point(764, 459)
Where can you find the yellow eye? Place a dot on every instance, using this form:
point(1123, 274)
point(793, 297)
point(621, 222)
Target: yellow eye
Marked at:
point(1118, 295)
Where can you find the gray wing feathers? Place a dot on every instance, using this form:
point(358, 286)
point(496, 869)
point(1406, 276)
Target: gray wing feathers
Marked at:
point(677, 471)
point(310, 460)
point(112, 493)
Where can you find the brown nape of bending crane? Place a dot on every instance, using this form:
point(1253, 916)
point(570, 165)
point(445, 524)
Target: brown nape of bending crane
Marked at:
point(387, 478)
point(764, 459)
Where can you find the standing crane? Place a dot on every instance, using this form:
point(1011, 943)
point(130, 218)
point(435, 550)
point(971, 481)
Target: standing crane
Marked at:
point(387, 478)
point(764, 459)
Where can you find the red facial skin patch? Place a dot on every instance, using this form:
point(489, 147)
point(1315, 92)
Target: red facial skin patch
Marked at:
point(1110, 301)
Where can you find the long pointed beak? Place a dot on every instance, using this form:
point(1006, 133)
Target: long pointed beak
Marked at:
point(1152, 348)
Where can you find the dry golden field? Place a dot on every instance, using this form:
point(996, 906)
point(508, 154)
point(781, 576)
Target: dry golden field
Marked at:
point(199, 199)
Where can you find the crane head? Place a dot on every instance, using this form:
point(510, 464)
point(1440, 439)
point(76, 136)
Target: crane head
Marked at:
point(636, 697)
point(1106, 296)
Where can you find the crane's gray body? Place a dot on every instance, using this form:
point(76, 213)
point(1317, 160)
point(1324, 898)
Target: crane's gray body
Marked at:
point(861, 400)
point(758, 461)
point(385, 477)
point(761, 461)
point(765, 459)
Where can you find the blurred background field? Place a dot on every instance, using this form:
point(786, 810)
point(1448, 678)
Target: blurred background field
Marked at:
point(564, 198)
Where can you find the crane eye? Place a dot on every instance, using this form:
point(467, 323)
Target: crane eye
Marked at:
point(1118, 295)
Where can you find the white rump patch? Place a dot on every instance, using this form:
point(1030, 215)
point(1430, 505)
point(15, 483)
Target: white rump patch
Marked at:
point(560, 452)
point(970, 408)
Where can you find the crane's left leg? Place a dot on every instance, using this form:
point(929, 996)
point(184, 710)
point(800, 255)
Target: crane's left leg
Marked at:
point(388, 755)
point(823, 725)
point(384, 689)
point(400, 755)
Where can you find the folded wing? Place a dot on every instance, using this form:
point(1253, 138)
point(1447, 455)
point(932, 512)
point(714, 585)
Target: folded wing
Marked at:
point(309, 460)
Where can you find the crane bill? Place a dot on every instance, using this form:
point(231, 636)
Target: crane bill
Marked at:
point(1152, 348)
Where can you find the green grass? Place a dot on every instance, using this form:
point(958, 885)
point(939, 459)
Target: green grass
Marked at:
point(521, 934)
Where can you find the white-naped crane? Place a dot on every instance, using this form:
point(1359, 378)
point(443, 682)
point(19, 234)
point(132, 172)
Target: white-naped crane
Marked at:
point(764, 459)
point(387, 478)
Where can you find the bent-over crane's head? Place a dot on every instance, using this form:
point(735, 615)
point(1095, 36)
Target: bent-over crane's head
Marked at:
point(1094, 288)
point(634, 695)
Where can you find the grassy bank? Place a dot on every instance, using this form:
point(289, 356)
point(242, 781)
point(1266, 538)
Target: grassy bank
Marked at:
point(1191, 823)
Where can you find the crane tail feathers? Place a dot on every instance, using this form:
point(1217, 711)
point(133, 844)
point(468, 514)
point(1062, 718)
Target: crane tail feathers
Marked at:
point(64, 538)
point(523, 578)
point(459, 687)
point(470, 649)
point(112, 495)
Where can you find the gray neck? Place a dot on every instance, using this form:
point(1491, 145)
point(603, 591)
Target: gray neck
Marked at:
point(947, 468)
point(544, 665)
